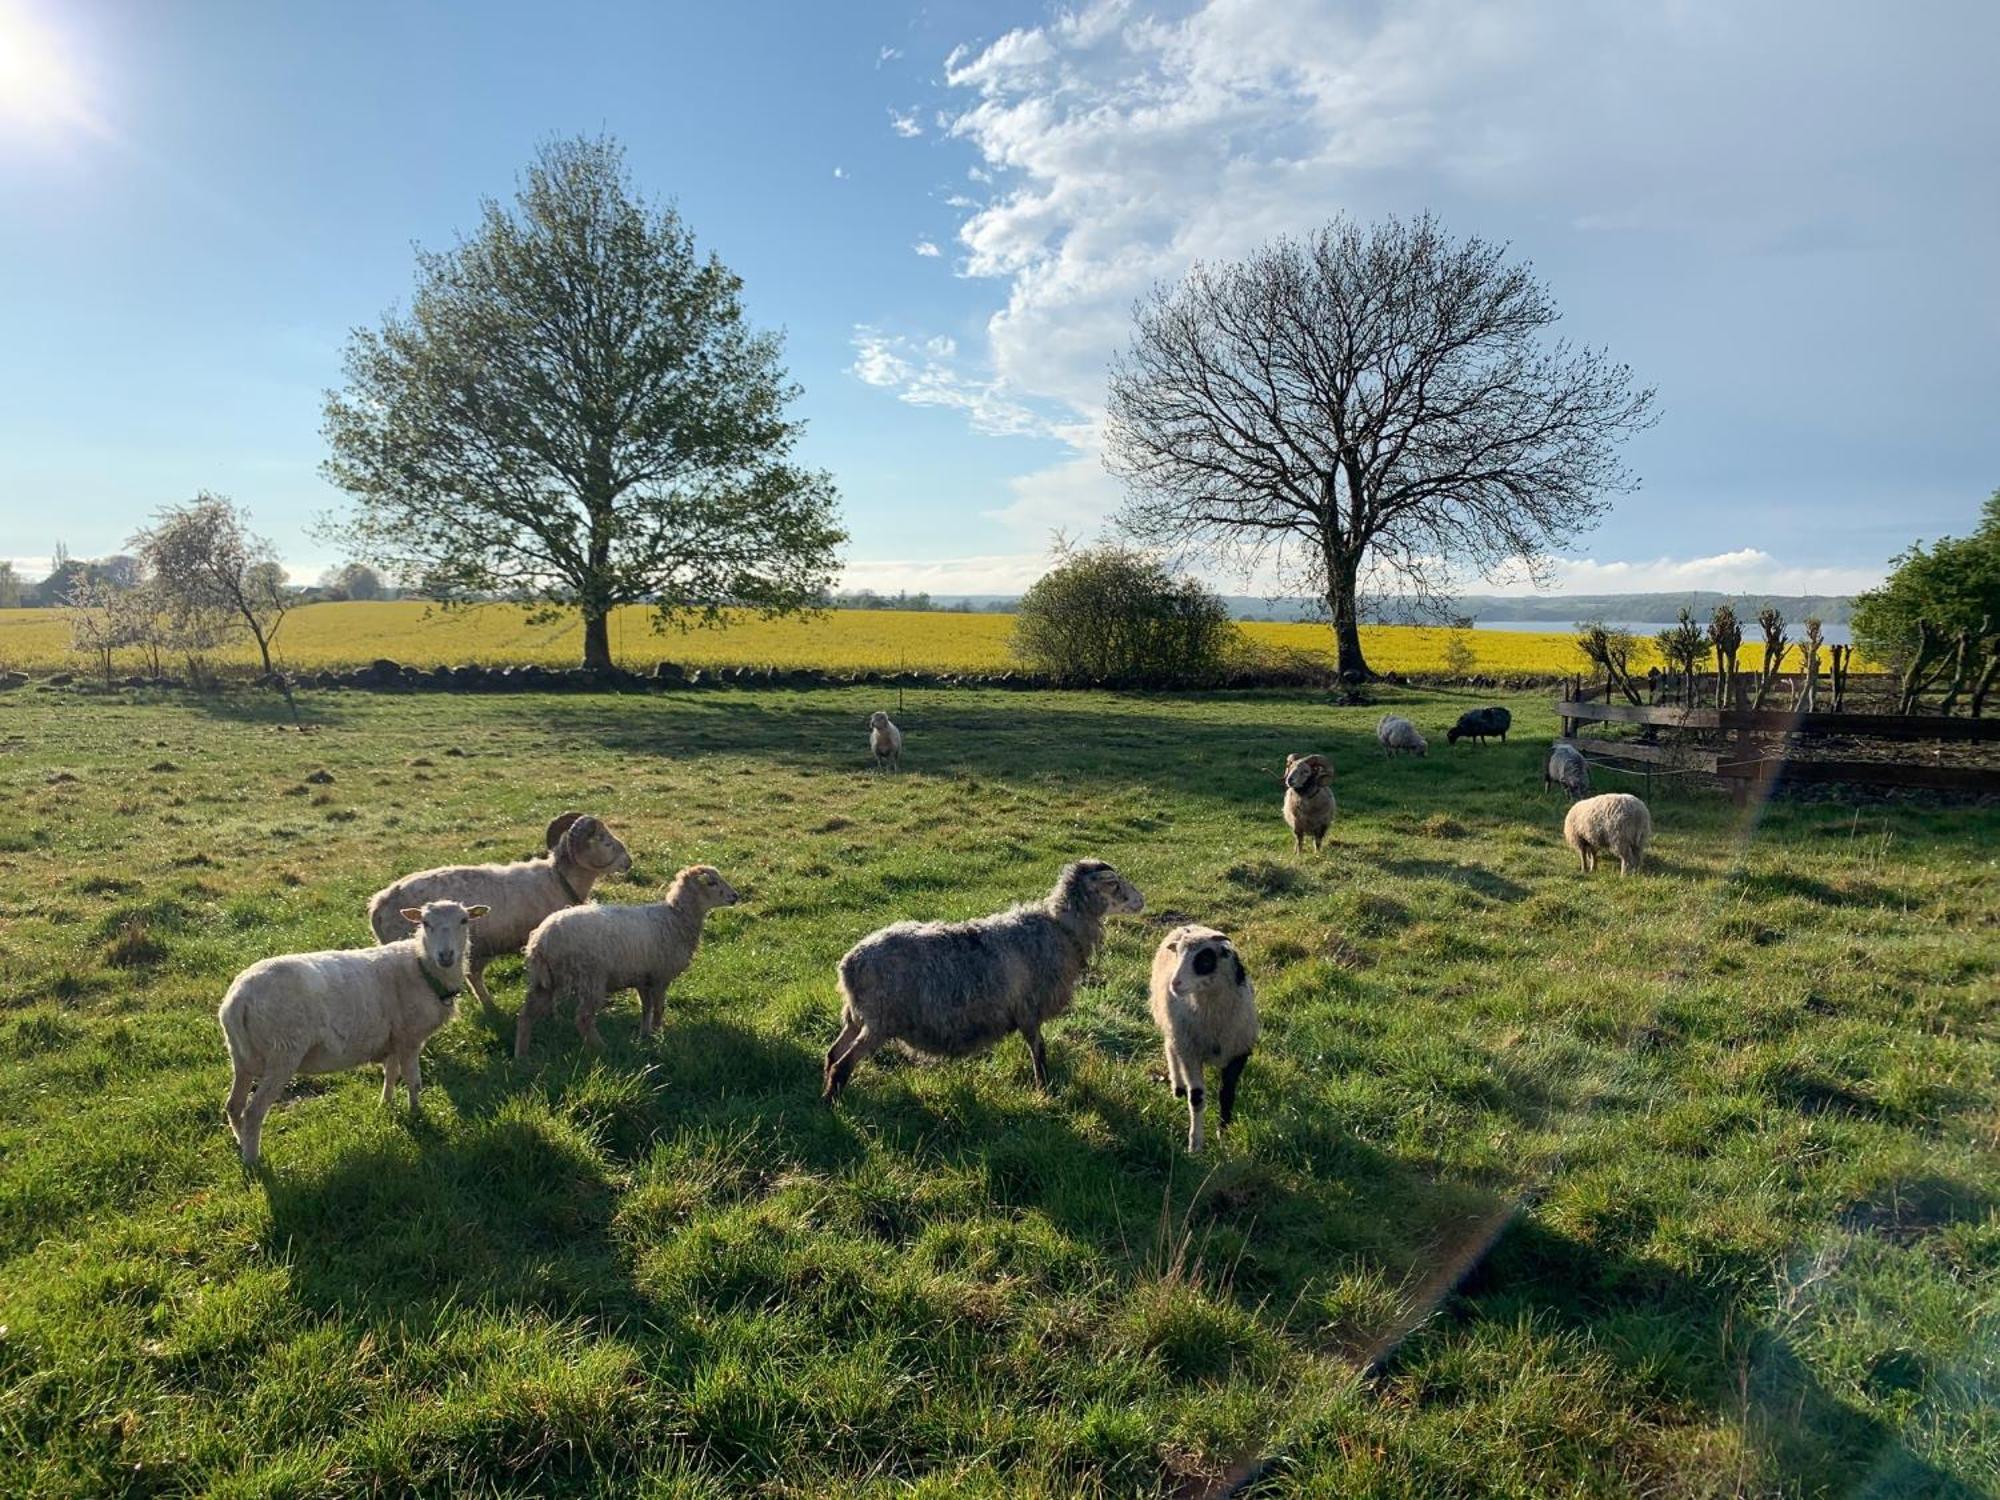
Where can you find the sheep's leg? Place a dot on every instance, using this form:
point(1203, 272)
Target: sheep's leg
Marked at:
point(1298, 842)
point(391, 1067)
point(1174, 1073)
point(538, 1004)
point(239, 1094)
point(586, 1021)
point(1195, 1097)
point(839, 1068)
point(1226, 1106)
point(850, 1029)
point(268, 1089)
point(1038, 1054)
point(652, 1008)
point(475, 976)
point(413, 1079)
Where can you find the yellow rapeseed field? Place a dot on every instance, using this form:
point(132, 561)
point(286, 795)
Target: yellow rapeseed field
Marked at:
point(338, 635)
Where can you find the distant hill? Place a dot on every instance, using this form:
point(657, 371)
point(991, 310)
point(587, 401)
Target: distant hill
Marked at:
point(1558, 610)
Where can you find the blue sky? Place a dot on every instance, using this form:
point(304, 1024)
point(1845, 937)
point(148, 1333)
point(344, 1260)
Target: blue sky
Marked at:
point(1784, 216)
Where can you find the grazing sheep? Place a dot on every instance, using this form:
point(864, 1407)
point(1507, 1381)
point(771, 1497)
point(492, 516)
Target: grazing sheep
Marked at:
point(322, 1012)
point(1610, 823)
point(1567, 769)
point(950, 989)
point(1398, 736)
point(1309, 805)
point(1206, 1009)
point(885, 742)
point(590, 953)
point(1479, 724)
point(582, 851)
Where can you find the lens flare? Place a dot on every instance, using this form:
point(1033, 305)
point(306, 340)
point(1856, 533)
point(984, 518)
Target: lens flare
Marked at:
point(38, 90)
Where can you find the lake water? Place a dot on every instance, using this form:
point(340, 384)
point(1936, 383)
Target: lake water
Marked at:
point(1833, 635)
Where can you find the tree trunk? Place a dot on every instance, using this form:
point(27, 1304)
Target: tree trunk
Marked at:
point(1341, 579)
point(597, 641)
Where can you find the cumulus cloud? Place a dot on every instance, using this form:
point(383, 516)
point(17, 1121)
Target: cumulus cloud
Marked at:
point(997, 573)
point(924, 372)
point(926, 248)
point(905, 125)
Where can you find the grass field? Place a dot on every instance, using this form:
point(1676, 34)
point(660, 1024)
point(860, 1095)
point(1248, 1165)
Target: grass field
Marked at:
point(1677, 1185)
point(335, 635)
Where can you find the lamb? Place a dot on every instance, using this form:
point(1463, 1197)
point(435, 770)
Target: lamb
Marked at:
point(590, 953)
point(322, 1012)
point(1309, 805)
point(1479, 724)
point(582, 851)
point(885, 742)
point(1610, 823)
point(1398, 735)
point(951, 989)
point(1206, 1009)
point(1567, 769)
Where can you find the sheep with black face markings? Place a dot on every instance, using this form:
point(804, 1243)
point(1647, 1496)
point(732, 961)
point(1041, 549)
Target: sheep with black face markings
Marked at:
point(590, 953)
point(1206, 1009)
point(519, 896)
point(1567, 769)
point(324, 1012)
point(1309, 805)
point(951, 989)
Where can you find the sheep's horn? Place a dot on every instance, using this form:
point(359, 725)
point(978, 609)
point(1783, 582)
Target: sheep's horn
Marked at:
point(558, 828)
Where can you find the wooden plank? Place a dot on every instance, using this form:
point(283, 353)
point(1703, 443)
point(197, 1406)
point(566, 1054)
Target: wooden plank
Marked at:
point(1977, 779)
point(1865, 726)
point(1643, 713)
point(1687, 757)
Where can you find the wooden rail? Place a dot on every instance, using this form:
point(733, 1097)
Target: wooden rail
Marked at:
point(1750, 721)
point(1975, 779)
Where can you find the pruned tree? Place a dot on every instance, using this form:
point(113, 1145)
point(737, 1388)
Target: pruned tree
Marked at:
point(1771, 622)
point(1725, 638)
point(1810, 647)
point(575, 413)
point(1610, 651)
point(208, 566)
point(1374, 406)
point(1684, 646)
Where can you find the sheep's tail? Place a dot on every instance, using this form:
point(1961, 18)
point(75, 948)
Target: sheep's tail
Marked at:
point(235, 1022)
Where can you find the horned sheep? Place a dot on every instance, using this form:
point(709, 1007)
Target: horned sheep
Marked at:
point(951, 989)
point(582, 850)
point(1567, 769)
point(1398, 736)
point(322, 1012)
point(589, 953)
point(1309, 805)
point(1206, 1009)
point(1615, 823)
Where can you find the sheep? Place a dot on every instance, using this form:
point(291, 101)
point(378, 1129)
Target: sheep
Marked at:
point(1398, 735)
point(1610, 823)
point(582, 851)
point(322, 1012)
point(885, 742)
point(1479, 723)
point(1309, 805)
point(1567, 769)
point(590, 953)
point(1206, 1009)
point(951, 989)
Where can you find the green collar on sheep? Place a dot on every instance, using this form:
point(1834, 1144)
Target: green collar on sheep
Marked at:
point(568, 889)
point(445, 996)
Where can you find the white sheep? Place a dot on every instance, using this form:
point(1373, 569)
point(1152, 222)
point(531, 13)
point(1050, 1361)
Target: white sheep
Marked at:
point(1610, 823)
point(950, 989)
point(1567, 769)
point(1309, 805)
point(1206, 1009)
point(582, 851)
point(590, 953)
point(322, 1012)
point(885, 742)
point(1398, 736)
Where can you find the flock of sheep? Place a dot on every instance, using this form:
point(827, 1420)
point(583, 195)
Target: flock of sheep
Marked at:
point(944, 989)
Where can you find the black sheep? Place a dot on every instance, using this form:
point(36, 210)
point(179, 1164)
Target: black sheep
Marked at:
point(1479, 723)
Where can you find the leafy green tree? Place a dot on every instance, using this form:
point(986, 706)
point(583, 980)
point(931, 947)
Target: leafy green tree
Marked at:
point(1952, 585)
point(574, 412)
point(1111, 614)
point(11, 590)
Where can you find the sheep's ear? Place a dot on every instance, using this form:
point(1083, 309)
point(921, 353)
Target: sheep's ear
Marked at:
point(413, 914)
point(474, 913)
point(558, 828)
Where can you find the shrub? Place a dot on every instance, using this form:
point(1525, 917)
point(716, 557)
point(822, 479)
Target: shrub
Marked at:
point(1111, 614)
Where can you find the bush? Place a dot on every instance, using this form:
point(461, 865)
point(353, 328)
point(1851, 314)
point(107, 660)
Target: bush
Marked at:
point(1110, 614)
point(1952, 585)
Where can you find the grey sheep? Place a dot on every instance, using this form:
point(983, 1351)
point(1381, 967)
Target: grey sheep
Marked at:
point(1206, 1009)
point(582, 851)
point(950, 989)
point(323, 1012)
point(1398, 736)
point(1567, 769)
point(587, 954)
point(1480, 724)
point(1615, 823)
point(1309, 805)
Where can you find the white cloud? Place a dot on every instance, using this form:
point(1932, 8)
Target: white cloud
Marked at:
point(840, 172)
point(1749, 569)
point(998, 573)
point(905, 125)
point(887, 55)
point(924, 373)
point(926, 248)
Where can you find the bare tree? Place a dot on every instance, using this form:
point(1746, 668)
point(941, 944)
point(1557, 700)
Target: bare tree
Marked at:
point(1365, 404)
point(103, 620)
point(205, 561)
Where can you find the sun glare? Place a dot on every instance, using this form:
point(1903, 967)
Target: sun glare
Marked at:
point(37, 89)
